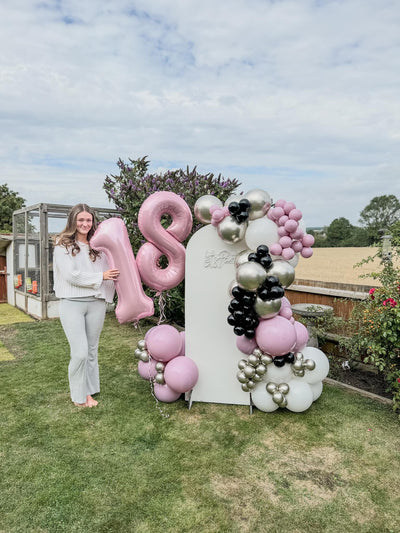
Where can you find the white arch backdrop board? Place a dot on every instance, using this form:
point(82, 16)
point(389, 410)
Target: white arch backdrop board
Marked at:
point(209, 339)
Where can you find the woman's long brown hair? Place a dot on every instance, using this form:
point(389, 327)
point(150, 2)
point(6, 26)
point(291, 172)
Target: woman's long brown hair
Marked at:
point(67, 237)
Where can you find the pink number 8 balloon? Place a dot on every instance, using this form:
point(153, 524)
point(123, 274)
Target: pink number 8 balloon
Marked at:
point(111, 237)
point(163, 241)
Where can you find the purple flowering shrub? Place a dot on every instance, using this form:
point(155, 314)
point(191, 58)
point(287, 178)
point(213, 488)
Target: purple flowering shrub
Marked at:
point(134, 184)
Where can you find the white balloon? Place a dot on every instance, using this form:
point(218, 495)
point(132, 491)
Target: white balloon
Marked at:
point(263, 399)
point(261, 231)
point(321, 364)
point(278, 374)
point(316, 389)
point(233, 198)
point(300, 396)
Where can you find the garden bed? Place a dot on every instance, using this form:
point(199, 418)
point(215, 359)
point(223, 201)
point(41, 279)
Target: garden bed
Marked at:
point(361, 379)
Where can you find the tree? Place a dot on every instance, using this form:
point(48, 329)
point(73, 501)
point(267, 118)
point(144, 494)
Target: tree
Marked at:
point(379, 215)
point(134, 184)
point(10, 201)
point(338, 232)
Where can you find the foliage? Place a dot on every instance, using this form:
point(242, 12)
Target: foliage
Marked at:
point(134, 184)
point(376, 322)
point(10, 201)
point(379, 215)
point(338, 232)
point(123, 467)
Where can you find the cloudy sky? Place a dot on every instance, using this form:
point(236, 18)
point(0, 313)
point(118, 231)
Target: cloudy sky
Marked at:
point(300, 98)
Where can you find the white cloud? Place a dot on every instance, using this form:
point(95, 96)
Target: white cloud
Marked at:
point(297, 97)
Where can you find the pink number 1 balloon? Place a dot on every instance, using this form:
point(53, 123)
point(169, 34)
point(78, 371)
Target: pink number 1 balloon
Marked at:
point(111, 237)
point(163, 241)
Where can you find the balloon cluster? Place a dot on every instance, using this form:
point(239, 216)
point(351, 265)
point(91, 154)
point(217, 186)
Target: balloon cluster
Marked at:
point(260, 314)
point(162, 361)
point(240, 210)
point(292, 237)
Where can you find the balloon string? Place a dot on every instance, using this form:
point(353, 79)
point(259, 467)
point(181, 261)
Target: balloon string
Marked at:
point(161, 305)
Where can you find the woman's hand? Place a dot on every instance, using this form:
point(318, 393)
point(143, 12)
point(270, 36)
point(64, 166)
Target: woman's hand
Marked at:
point(111, 274)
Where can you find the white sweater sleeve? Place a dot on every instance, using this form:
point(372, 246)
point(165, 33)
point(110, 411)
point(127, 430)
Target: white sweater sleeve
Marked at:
point(71, 269)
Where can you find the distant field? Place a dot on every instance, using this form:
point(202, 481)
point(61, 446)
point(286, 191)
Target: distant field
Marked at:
point(337, 265)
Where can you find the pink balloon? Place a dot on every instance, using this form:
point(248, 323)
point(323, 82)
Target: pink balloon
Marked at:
point(282, 232)
point(306, 252)
point(308, 240)
point(302, 336)
point(183, 349)
point(164, 393)
point(276, 336)
point(282, 220)
point(295, 214)
point(280, 203)
point(288, 207)
point(288, 254)
point(275, 249)
point(276, 212)
point(164, 342)
point(286, 312)
point(111, 237)
point(147, 370)
point(291, 226)
point(297, 246)
point(246, 345)
point(297, 234)
point(181, 374)
point(163, 241)
point(285, 242)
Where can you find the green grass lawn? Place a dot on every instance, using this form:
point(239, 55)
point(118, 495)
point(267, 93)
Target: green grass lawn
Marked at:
point(124, 467)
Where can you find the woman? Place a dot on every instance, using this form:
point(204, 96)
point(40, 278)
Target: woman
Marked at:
point(84, 283)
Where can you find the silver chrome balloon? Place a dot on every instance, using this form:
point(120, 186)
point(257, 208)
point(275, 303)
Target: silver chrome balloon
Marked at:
point(260, 202)
point(271, 387)
point(231, 231)
point(233, 198)
point(257, 378)
point(266, 359)
point(249, 371)
point(250, 275)
point(253, 360)
point(277, 397)
point(242, 364)
point(202, 207)
point(160, 366)
point(267, 308)
point(159, 378)
point(242, 377)
point(309, 364)
point(261, 370)
point(245, 387)
point(141, 344)
point(242, 257)
point(283, 271)
point(283, 388)
point(144, 356)
point(138, 353)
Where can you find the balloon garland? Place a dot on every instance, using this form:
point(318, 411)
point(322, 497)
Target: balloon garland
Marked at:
point(280, 370)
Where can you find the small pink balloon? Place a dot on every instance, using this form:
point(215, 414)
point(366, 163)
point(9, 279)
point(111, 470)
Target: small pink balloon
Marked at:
point(181, 374)
point(275, 249)
point(246, 345)
point(302, 336)
point(164, 342)
point(285, 302)
point(277, 212)
point(285, 242)
point(147, 370)
point(288, 254)
point(276, 336)
point(306, 252)
point(280, 203)
point(286, 312)
point(288, 207)
point(292, 320)
point(282, 232)
point(308, 240)
point(297, 246)
point(295, 214)
point(164, 393)
point(297, 234)
point(282, 220)
point(291, 226)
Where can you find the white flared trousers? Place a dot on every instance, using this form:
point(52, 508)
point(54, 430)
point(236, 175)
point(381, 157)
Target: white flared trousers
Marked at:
point(82, 322)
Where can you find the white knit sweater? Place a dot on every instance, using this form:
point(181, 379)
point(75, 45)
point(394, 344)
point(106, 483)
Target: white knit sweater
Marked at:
point(78, 276)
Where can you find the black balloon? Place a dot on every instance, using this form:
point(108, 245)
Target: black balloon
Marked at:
point(265, 261)
point(231, 320)
point(276, 292)
point(253, 257)
point(289, 357)
point(238, 330)
point(279, 360)
point(242, 216)
point(234, 208)
point(250, 333)
point(264, 294)
point(262, 250)
point(245, 204)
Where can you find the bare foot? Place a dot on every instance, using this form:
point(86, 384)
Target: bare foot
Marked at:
point(81, 404)
point(91, 402)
